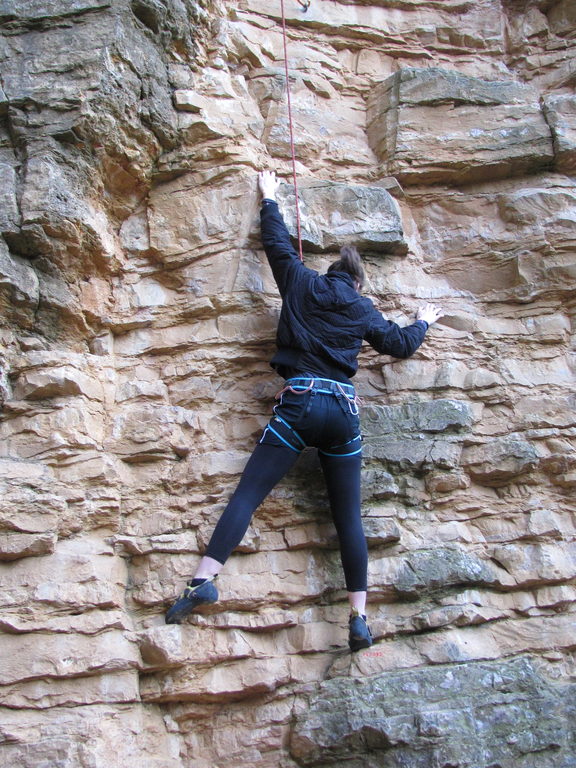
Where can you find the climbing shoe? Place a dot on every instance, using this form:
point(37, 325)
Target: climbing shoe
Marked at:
point(359, 635)
point(193, 596)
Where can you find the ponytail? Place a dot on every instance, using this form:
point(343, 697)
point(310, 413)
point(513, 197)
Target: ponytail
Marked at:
point(350, 261)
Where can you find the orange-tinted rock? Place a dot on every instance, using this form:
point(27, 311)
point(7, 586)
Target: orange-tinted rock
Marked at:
point(138, 318)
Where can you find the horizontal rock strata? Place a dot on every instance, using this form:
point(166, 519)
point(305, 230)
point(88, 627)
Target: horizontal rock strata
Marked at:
point(137, 319)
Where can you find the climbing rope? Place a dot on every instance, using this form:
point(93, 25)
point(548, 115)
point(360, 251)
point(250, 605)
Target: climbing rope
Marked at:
point(305, 5)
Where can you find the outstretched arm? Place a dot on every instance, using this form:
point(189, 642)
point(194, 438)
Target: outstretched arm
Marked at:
point(388, 338)
point(275, 237)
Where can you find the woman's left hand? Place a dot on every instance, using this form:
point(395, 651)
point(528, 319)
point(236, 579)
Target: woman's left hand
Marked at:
point(268, 184)
point(429, 313)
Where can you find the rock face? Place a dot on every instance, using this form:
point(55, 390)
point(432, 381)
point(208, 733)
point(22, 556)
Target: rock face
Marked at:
point(439, 716)
point(435, 125)
point(137, 320)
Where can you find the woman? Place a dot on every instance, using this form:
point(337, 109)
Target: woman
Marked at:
point(322, 324)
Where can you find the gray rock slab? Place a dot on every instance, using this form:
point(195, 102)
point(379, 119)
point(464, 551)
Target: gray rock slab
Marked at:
point(427, 571)
point(14, 546)
point(413, 453)
point(9, 212)
point(500, 461)
point(32, 10)
point(377, 484)
point(18, 277)
point(438, 126)
point(560, 112)
point(433, 416)
point(418, 435)
point(473, 715)
point(335, 214)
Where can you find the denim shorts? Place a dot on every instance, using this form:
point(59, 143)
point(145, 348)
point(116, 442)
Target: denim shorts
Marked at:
point(316, 412)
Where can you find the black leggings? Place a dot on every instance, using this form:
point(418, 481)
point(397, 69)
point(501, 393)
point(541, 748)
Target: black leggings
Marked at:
point(266, 467)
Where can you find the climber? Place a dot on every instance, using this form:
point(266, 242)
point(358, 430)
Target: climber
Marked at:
point(323, 322)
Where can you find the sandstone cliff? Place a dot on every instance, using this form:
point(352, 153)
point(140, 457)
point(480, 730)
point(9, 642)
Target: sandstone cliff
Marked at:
point(138, 318)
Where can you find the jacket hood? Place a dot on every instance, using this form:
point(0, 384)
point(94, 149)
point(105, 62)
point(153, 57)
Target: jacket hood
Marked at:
point(335, 289)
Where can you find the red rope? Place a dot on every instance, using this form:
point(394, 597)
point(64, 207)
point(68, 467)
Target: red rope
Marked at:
point(291, 130)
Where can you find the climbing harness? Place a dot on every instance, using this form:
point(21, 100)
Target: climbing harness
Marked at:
point(286, 434)
point(290, 434)
point(323, 386)
point(305, 4)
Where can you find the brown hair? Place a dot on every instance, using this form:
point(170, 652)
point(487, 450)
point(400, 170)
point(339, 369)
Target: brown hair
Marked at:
point(350, 261)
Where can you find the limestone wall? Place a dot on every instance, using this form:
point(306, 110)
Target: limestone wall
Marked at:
point(138, 321)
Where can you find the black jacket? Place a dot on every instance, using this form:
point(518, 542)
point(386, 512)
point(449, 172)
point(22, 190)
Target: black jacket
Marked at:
point(324, 319)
